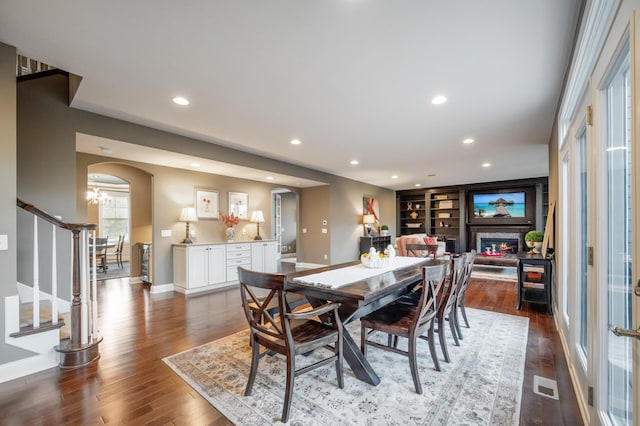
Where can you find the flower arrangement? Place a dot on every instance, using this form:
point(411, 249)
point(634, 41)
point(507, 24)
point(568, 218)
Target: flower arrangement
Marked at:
point(230, 220)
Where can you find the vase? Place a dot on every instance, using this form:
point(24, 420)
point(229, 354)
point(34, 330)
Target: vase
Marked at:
point(231, 235)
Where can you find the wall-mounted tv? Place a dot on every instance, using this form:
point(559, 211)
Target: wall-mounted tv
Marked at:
point(508, 206)
point(500, 205)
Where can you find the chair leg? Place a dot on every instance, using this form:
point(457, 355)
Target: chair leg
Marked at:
point(255, 359)
point(457, 324)
point(452, 326)
point(413, 363)
point(443, 341)
point(432, 347)
point(289, 387)
point(339, 363)
point(464, 315)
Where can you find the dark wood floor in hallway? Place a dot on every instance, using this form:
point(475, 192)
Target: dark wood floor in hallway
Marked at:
point(131, 385)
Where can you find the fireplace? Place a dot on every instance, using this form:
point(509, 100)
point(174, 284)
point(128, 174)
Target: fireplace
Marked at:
point(507, 239)
point(498, 244)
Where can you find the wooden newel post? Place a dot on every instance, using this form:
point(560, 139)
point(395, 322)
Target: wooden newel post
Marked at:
point(76, 311)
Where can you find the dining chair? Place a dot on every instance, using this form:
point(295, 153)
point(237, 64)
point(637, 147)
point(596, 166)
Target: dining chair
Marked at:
point(100, 253)
point(117, 252)
point(460, 308)
point(407, 321)
point(286, 332)
point(421, 250)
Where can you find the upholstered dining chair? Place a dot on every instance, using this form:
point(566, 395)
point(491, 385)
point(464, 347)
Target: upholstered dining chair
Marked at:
point(117, 252)
point(460, 309)
point(408, 321)
point(285, 332)
point(100, 253)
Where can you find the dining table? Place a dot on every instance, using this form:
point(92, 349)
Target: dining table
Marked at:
point(360, 291)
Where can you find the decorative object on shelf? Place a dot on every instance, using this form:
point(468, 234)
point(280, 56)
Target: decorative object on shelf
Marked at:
point(440, 197)
point(188, 215)
point(367, 221)
point(409, 205)
point(375, 259)
point(94, 196)
point(230, 221)
point(417, 206)
point(384, 230)
point(445, 204)
point(257, 217)
point(206, 202)
point(414, 215)
point(534, 241)
point(238, 204)
point(414, 225)
point(444, 215)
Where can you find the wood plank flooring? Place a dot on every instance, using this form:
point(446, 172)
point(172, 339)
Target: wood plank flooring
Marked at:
point(131, 385)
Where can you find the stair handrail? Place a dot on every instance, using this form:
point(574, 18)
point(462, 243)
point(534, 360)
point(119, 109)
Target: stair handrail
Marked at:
point(82, 348)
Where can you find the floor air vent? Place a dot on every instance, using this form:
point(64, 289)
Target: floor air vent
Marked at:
point(545, 387)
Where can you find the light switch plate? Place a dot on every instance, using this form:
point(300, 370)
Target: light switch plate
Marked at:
point(4, 242)
point(165, 232)
point(324, 230)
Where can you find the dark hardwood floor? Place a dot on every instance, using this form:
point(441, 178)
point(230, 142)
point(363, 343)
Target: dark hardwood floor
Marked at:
point(131, 385)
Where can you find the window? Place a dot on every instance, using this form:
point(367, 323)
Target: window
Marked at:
point(114, 215)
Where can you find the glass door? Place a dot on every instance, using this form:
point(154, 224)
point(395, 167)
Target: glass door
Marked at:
point(615, 305)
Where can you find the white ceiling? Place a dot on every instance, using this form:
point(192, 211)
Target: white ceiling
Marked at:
point(352, 79)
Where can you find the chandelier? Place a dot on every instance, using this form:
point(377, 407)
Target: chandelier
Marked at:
point(94, 196)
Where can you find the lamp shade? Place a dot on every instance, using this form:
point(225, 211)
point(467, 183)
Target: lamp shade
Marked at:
point(188, 215)
point(257, 216)
point(368, 219)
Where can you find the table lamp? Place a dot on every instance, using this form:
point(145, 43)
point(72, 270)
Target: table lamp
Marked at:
point(258, 218)
point(367, 221)
point(188, 215)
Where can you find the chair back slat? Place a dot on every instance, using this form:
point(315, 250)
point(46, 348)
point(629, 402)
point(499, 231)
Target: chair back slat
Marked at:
point(421, 250)
point(432, 279)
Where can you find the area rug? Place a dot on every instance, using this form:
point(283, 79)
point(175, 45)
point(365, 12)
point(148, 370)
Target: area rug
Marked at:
point(494, 273)
point(481, 386)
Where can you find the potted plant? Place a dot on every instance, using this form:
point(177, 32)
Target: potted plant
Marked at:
point(534, 240)
point(384, 230)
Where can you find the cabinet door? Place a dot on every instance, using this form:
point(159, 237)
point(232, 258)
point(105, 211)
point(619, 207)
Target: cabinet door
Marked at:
point(217, 264)
point(198, 266)
point(264, 256)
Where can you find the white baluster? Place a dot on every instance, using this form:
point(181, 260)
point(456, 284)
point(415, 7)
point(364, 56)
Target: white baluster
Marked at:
point(36, 276)
point(84, 308)
point(54, 277)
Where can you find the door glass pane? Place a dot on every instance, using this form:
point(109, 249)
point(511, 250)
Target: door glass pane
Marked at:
point(581, 243)
point(618, 227)
point(566, 224)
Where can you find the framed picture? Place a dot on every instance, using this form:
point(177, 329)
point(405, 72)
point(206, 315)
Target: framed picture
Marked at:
point(207, 204)
point(238, 204)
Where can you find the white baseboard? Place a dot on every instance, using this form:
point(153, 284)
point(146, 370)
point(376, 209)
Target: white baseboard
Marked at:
point(161, 288)
point(24, 367)
point(582, 403)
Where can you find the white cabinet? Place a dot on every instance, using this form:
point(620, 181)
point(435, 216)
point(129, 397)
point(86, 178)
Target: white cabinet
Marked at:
point(238, 254)
point(202, 267)
point(264, 256)
point(198, 266)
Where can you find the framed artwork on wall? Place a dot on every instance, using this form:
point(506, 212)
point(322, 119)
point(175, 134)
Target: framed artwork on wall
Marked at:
point(238, 204)
point(207, 204)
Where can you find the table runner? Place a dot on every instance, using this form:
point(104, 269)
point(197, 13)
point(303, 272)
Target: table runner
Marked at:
point(340, 277)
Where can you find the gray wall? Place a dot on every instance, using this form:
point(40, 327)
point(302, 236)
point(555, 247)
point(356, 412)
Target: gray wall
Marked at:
point(8, 156)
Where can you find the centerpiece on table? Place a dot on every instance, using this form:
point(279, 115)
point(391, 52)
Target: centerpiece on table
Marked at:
point(230, 221)
point(375, 259)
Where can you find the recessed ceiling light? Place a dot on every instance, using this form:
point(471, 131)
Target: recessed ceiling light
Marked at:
point(181, 101)
point(270, 177)
point(394, 177)
point(354, 162)
point(439, 100)
point(486, 164)
point(195, 164)
point(468, 141)
point(295, 142)
point(417, 185)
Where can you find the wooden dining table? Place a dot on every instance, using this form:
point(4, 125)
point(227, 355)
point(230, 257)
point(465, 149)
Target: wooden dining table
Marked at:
point(359, 298)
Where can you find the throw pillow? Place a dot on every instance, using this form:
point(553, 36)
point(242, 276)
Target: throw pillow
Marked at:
point(430, 241)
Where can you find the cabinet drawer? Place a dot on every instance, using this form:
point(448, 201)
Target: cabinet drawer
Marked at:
point(235, 251)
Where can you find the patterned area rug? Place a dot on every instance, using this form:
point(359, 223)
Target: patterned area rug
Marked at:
point(481, 386)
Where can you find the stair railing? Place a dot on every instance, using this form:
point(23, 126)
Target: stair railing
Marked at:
point(82, 347)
